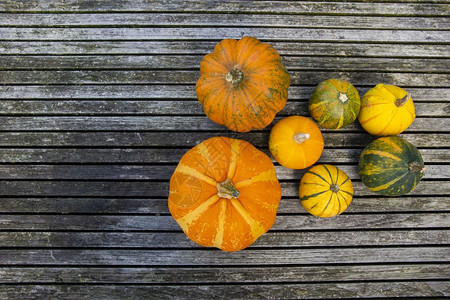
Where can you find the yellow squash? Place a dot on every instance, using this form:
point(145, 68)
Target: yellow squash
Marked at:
point(386, 110)
point(325, 191)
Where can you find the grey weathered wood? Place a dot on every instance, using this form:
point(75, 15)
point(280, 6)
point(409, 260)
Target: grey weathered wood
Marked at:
point(264, 291)
point(119, 206)
point(158, 172)
point(292, 7)
point(167, 223)
point(223, 275)
point(202, 19)
point(158, 189)
point(176, 107)
point(192, 47)
point(176, 33)
point(180, 139)
point(165, 92)
point(174, 62)
point(191, 77)
point(272, 239)
point(163, 123)
point(215, 257)
point(155, 155)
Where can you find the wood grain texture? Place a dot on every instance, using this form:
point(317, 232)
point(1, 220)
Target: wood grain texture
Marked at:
point(158, 172)
point(220, 19)
point(292, 7)
point(77, 188)
point(192, 62)
point(163, 123)
point(190, 77)
point(215, 275)
point(212, 257)
point(178, 92)
point(122, 206)
point(133, 139)
point(292, 48)
point(98, 104)
point(157, 156)
point(177, 239)
point(167, 223)
point(175, 33)
point(291, 291)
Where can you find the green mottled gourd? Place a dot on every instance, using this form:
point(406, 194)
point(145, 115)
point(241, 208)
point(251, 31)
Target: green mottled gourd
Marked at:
point(391, 166)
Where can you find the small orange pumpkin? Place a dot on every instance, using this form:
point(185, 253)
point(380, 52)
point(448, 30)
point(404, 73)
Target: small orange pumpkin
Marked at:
point(325, 191)
point(243, 84)
point(224, 193)
point(296, 142)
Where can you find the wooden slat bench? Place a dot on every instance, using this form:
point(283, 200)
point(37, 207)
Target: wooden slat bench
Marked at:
point(98, 104)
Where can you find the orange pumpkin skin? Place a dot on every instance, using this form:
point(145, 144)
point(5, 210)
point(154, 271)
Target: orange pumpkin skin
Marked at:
point(224, 193)
point(296, 142)
point(243, 84)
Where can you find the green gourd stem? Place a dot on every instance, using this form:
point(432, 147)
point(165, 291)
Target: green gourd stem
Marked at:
point(334, 188)
point(400, 102)
point(227, 190)
point(235, 76)
point(416, 167)
point(300, 137)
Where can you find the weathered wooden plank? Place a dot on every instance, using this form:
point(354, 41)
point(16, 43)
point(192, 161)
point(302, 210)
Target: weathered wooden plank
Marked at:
point(181, 139)
point(202, 33)
point(263, 291)
point(243, 274)
point(164, 123)
point(220, 19)
point(271, 239)
point(156, 172)
point(291, 7)
point(191, 47)
point(213, 257)
point(155, 62)
point(165, 92)
point(118, 206)
point(191, 77)
point(155, 155)
point(28, 188)
point(175, 107)
point(167, 223)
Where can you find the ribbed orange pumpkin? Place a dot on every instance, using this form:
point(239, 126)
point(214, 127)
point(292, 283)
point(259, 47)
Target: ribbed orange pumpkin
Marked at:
point(224, 193)
point(243, 84)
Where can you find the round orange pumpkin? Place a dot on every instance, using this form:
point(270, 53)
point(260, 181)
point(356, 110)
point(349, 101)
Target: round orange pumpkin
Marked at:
point(224, 193)
point(296, 142)
point(325, 191)
point(243, 84)
point(386, 110)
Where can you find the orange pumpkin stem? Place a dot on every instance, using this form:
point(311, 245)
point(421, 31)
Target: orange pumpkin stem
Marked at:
point(227, 190)
point(343, 97)
point(400, 102)
point(300, 137)
point(235, 76)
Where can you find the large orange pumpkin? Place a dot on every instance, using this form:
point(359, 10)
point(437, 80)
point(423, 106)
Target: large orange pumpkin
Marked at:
point(243, 84)
point(296, 142)
point(224, 193)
